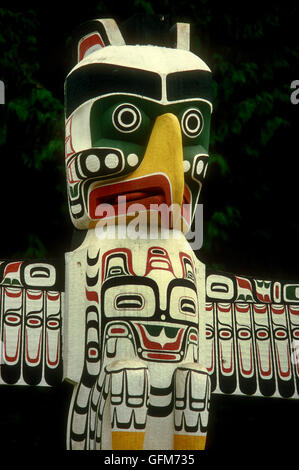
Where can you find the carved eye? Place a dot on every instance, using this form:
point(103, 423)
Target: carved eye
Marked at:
point(192, 122)
point(187, 306)
point(126, 118)
point(129, 301)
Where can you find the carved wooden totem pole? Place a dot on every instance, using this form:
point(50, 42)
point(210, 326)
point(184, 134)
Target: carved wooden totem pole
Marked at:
point(130, 317)
point(136, 118)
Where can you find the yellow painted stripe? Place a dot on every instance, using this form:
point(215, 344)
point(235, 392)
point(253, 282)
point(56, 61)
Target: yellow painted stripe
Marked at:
point(126, 440)
point(189, 442)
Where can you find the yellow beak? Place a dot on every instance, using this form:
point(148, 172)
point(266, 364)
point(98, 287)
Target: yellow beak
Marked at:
point(164, 154)
point(162, 167)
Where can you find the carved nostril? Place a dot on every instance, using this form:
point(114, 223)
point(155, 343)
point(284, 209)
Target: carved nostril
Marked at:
point(199, 167)
point(92, 163)
point(111, 161)
point(132, 159)
point(98, 162)
point(186, 165)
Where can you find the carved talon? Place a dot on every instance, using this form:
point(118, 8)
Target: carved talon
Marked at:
point(129, 392)
point(192, 396)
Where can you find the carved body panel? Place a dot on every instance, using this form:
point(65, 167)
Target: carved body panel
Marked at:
point(143, 306)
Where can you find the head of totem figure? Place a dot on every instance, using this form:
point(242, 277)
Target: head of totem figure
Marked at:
point(137, 125)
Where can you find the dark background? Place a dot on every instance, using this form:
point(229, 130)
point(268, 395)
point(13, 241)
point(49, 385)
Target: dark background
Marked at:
point(250, 198)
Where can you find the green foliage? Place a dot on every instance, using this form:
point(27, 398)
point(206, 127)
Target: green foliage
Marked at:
point(31, 135)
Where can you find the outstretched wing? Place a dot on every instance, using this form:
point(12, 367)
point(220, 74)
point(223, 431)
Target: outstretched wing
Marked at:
point(31, 309)
point(252, 331)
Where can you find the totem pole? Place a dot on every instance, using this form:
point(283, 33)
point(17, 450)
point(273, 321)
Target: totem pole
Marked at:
point(130, 317)
point(137, 130)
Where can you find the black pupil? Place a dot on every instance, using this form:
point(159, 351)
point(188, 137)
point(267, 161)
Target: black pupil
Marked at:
point(127, 117)
point(192, 122)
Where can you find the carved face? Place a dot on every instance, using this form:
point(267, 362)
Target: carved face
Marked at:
point(157, 310)
point(137, 126)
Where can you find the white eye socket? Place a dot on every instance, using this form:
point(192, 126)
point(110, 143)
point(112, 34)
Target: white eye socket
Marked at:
point(126, 117)
point(192, 122)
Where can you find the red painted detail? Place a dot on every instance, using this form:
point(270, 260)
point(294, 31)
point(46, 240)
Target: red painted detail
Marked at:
point(13, 292)
point(264, 373)
point(12, 268)
point(281, 334)
point(117, 330)
point(36, 295)
point(12, 319)
point(246, 372)
point(244, 283)
point(223, 334)
point(224, 307)
point(242, 308)
point(160, 356)
point(93, 352)
point(68, 138)
point(158, 258)
point(294, 309)
point(278, 310)
point(229, 369)
point(193, 337)
point(209, 333)
point(92, 296)
point(11, 358)
point(56, 360)
point(182, 256)
point(244, 334)
point(260, 308)
point(53, 295)
point(33, 321)
point(120, 251)
point(87, 42)
point(263, 297)
point(262, 334)
point(148, 190)
point(29, 359)
point(211, 367)
point(154, 345)
point(53, 323)
point(186, 210)
point(288, 372)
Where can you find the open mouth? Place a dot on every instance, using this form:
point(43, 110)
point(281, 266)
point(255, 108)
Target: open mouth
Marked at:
point(186, 207)
point(159, 342)
point(120, 196)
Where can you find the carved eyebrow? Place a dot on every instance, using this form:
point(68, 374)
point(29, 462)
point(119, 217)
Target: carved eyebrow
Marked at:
point(189, 84)
point(95, 80)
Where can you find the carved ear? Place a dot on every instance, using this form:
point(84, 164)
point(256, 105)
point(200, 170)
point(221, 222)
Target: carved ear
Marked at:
point(181, 36)
point(96, 34)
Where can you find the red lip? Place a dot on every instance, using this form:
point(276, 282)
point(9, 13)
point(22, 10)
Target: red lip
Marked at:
point(156, 346)
point(186, 208)
point(152, 189)
point(187, 195)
